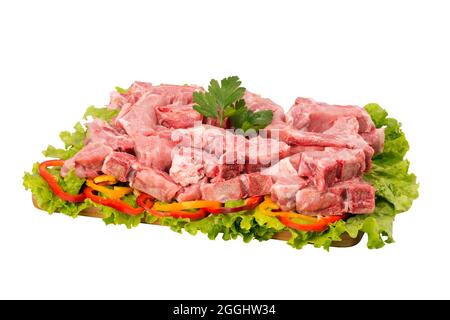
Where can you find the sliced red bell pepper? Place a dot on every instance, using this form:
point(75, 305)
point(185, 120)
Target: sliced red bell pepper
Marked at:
point(320, 225)
point(146, 201)
point(250, 204)
point(117, 204)
point(53, 183)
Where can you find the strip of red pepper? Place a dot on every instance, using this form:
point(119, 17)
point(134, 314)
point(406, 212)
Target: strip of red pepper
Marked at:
point(113, 203)
point(318, 226)
point(53, 183)
point(146, 201)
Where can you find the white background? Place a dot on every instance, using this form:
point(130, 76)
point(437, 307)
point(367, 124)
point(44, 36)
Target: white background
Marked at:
point(57, 58)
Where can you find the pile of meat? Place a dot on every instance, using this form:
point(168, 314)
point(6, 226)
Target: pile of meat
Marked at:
point(310, 160)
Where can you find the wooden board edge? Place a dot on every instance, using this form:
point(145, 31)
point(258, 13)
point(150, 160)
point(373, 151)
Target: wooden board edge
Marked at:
point(346, 240)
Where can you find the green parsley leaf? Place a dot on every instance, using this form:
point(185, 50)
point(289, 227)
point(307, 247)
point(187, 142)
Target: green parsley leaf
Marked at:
point(212, 104)
point(225, 100)
point(259, 119)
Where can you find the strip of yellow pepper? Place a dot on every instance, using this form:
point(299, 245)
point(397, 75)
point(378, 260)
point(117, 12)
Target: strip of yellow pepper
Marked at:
point(269, 204)
point(186, 205)
point(115, 193)
point(104, 179)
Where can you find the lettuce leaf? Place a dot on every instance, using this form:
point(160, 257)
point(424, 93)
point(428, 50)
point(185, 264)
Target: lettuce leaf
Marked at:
point(73, 142)
point(246, 224)
point(390, 172)
point(46, 199)
point(112, 216)
point(377, 225)
point(121, 90)
point(174, 224)
point(105, 113)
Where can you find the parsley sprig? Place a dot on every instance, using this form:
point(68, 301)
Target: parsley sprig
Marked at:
point(225, 100)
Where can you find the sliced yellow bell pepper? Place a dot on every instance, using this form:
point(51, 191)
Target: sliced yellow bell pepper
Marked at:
point(186, 205)
point(269, 204)
point(115, 193)
point(104, 179)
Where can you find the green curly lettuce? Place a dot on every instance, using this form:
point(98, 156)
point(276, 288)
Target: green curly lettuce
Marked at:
point(112, 216)
point(73, 142)
point(105, 113)
point(46, 199)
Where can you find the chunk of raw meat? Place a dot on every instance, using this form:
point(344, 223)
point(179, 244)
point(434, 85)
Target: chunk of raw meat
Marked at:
point(309, 115)
point(266, 151)
point(251, 168)
point(228, 171)
point(351, 162)
point(358, 196)
point(319, 168)
point(186, 168)
point(375, 139)
point(116, 100)
point(175, 93)
point(88, 161)
point(214, 140)
point(256, 184)
point(284, 190)
point(137, 90)
point(197, 137)
point(190, 165)
point(300, 149)
point(119, 165)
point(344, 125)
point(234, 145)
point(287, 167)
point(298, 138)
point(189, 193)
point(331, 165)
point(154, 152)
point(353, 196)
point(223, 191)
point(100, 131)
point(140, 118)
point(310, 201)
point(295, 160)
point(177, 116)
point(156, 183)
point(357, 142)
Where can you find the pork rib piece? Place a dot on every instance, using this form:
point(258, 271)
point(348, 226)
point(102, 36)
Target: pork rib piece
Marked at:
point(355, 196)
point(119, 165)
point(222, 191)
point(156, 183)
point(88, 161)
point(309, 115)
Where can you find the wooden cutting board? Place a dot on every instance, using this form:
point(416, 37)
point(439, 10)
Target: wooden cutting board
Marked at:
point(346, 241)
